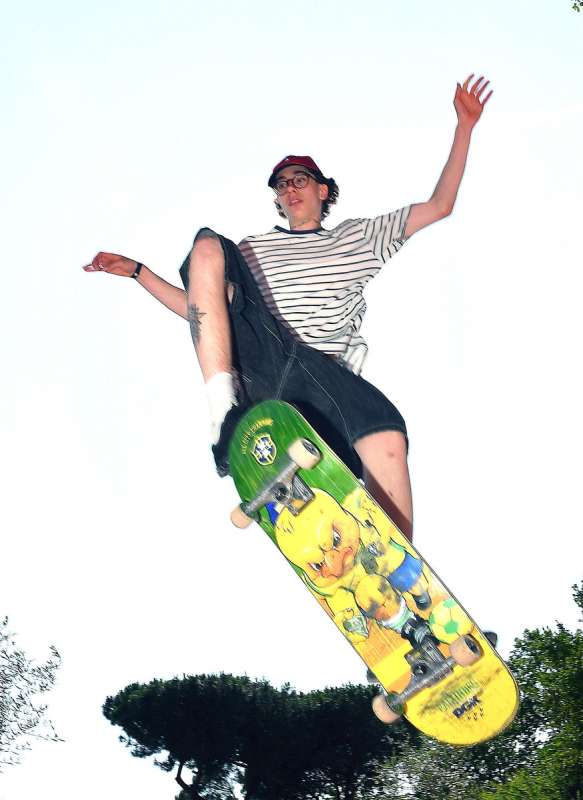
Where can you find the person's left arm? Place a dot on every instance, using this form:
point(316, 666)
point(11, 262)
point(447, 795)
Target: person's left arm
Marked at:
point(468, 105)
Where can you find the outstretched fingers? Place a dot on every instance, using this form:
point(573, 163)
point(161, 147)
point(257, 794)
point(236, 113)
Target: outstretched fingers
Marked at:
point(467, 81)
point(96, 264)
point(477, 88)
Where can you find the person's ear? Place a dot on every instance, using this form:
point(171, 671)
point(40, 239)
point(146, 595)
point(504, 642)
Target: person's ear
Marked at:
point(277, 204)
point(323, 191)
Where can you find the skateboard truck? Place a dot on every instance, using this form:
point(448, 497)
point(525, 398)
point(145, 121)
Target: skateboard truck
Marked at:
point(428, 667)
point(286, 488)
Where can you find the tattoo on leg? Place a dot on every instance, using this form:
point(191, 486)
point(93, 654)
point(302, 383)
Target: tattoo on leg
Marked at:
point(195, 316)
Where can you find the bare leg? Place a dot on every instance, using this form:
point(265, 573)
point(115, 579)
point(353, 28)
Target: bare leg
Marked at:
point(386, 475)
point(207, 307)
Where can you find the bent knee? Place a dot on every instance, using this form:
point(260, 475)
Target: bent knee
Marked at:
point(206, 270)
point(206, 247)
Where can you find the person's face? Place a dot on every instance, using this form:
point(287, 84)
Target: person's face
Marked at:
point(301, 203)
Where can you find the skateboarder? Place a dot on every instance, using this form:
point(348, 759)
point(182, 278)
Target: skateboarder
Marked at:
point(279, 316)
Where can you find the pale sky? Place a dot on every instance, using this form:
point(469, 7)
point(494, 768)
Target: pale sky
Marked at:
point(126, 127)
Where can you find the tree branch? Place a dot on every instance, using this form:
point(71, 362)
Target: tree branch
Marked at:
point(184, 786)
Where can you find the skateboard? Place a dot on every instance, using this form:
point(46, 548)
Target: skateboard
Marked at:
point(433, 663)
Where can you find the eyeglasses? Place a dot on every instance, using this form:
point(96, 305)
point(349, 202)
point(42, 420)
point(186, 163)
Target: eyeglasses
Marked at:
point(299, 180)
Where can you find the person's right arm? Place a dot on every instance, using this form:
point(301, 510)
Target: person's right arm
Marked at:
point(205, 308)
point(170, 296)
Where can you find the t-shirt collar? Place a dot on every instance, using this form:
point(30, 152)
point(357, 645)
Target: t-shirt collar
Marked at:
point(298, 233)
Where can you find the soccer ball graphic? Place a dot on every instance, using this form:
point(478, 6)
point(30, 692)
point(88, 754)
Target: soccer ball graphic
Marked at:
point(448, 621)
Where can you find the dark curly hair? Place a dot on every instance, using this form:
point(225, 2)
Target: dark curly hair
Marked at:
point(333, 192)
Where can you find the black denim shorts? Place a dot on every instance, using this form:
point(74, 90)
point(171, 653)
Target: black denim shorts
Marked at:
point(273, 364)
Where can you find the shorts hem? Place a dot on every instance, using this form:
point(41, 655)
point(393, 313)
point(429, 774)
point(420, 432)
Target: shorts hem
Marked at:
point(377, 429)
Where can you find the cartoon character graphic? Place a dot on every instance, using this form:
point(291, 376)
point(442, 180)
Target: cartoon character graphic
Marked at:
point(363, 574)
point(384, 555)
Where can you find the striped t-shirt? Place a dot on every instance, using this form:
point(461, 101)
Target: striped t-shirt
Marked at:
point(313, 281)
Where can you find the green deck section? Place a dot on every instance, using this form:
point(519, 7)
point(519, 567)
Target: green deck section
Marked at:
point(284, 425)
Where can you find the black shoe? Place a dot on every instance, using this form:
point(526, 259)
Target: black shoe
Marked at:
point(221, 448)
point(491, 637)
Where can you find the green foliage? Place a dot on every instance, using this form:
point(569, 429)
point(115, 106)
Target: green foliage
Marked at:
point(432, 771)
point(526, 786)
point(437, 771)
point(275, 744)
point(194, 721)
point(21, 680)
point(549, 667)
point(577, 5)
point(346, 742)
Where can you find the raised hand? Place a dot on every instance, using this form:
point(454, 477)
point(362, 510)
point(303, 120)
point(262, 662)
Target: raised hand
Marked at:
point(468, 102)
point(112, 263)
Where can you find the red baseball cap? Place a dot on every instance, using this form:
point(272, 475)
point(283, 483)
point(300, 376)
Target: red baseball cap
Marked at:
point(300, 161)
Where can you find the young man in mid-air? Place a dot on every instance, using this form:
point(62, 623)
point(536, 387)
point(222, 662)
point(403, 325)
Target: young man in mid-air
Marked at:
point(279, 316)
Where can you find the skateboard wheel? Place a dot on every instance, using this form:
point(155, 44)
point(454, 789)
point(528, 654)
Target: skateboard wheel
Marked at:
point(303, 453)
point(239, 518)
point(383, 711)
point(465, 651)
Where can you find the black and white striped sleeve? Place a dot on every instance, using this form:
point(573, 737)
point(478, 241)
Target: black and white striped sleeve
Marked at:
point(386, 234)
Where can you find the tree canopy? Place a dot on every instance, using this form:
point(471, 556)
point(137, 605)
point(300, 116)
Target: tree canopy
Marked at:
point(276, 744)
point(548, 664)
point(22, 717)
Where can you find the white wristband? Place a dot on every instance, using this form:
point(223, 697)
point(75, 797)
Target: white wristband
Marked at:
point(221, 397)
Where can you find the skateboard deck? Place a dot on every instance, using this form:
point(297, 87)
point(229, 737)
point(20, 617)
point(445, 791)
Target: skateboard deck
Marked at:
point(434, 663)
